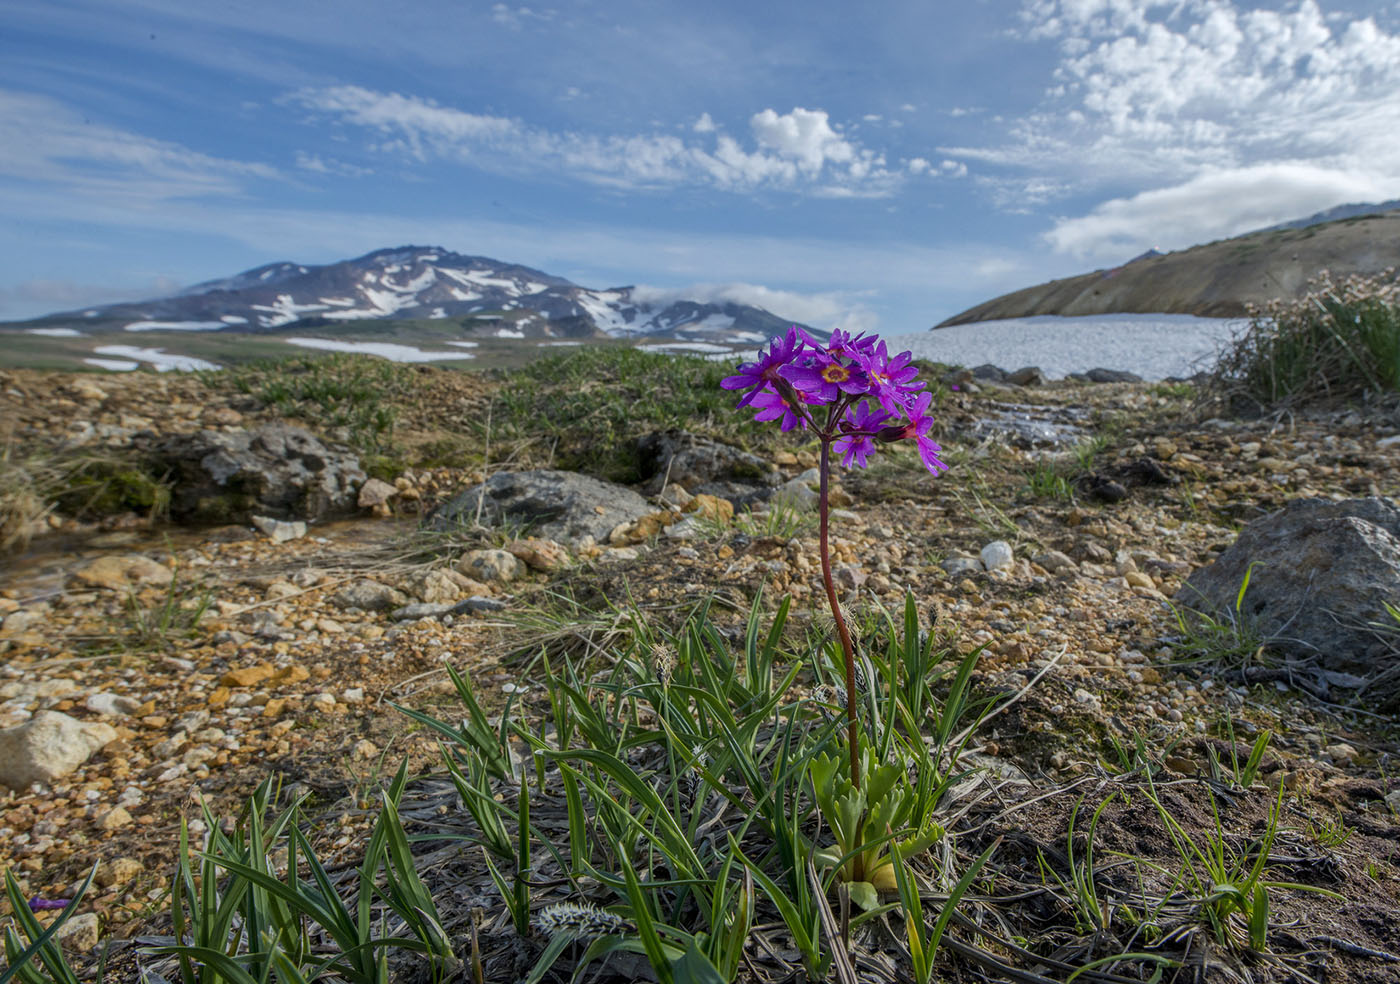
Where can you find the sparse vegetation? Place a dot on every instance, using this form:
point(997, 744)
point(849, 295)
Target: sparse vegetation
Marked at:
point(356, 393)
point(583, 409)
point(1339, 342)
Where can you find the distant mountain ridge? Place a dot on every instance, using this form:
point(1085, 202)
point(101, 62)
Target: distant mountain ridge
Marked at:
point(1220, 279)
point(423, 282)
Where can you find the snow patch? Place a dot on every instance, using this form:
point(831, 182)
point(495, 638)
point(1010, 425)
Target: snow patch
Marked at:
point(55, 332)
point(233, 319)
point(703, 347)
point(116, 365)
point(605, 308)
point(174, 326)
point(464, 344)
point(284, 311)
point(509, 333)
point(385, 350)
point(163, 361)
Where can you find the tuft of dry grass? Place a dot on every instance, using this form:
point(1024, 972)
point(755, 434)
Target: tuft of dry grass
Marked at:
point(1339, 342)
point(24, 505)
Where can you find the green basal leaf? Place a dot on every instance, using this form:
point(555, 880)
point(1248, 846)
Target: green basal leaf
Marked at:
point(864, 895)
point(695, 968)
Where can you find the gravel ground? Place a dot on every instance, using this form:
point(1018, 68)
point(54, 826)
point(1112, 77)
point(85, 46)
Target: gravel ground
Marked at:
point(279, 677)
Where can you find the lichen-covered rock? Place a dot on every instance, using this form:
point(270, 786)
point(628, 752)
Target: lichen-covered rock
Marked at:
point(491, 566)
point(369, 596)
point(557, 505)
point(539, 554)
point(279, 471)
point(1320, 575)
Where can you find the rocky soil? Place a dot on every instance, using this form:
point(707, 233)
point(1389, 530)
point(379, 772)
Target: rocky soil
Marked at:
point(303, 645)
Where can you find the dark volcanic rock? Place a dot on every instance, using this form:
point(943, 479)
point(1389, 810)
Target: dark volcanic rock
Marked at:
point(279, 471)
point(1112, 376)
point(690, 461)
point(1101, 488)
point(560, 505)
point(1322, 574)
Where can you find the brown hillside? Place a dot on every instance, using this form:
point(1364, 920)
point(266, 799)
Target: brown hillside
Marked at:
point(1217, 279)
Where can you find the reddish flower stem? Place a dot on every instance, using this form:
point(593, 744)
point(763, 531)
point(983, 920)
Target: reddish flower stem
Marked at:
point(848, 650)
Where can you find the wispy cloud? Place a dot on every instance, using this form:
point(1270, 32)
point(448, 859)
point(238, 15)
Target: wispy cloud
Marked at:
point(1235, 117)
point(48, 144)
point(317, 164)
point(797, 151)
point(32, 296)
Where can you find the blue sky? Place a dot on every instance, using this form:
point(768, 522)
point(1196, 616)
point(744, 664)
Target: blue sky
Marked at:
point(882, 165)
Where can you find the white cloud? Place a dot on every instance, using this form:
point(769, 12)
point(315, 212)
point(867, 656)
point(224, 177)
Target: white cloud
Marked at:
point(1213, 205)
point(48, 143)
point(798, 150)
point(1177, 95)
point(826, 310)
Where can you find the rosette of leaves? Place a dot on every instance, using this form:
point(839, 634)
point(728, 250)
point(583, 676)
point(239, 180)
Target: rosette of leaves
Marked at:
point(867, 820)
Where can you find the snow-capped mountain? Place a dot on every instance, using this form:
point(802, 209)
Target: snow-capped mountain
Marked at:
point(490, 297)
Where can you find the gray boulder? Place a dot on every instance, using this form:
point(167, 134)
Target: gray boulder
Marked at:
point(48, 746)
point(988, 373)
point(689, 460)
point(1323, 572)
point(563, 506)
point(278, 471)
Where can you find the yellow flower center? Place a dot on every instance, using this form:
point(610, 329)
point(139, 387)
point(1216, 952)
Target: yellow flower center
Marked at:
point(836, 374)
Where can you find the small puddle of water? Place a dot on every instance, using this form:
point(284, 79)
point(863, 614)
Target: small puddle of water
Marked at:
point(1026, 426)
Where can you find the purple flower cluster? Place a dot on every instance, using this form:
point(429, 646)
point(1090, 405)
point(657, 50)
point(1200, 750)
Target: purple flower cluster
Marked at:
point(871, 397)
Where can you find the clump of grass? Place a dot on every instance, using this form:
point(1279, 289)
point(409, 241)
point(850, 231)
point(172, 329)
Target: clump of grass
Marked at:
point(103, 486)
point(1340, 341)
point(36, 484)
point(23, 504)
point(1047, 481)
point(354, 392)
point(176, 616)
point(589, 405)
point(1229, 638)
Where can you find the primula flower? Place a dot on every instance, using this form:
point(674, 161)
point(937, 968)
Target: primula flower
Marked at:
point(754, 375)
point(892, 380)
point(860, 426)
point(771, 406)
point(917, 430)
point(826, 378)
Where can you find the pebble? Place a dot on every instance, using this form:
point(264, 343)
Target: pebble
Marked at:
point(997, 555)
